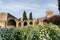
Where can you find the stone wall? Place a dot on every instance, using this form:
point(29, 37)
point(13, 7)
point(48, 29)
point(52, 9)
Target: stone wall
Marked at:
point(3, 19)
point(49, 14)
point(3, 16)
point(7, 19)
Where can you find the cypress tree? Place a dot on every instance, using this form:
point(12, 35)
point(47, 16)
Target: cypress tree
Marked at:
point(24, 16)
point(30, 16)
point(59, 6)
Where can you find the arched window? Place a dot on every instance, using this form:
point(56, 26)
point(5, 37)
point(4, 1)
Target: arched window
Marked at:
point(30, 23)
point(19, 24)
point(11, 22)
point(25, 23)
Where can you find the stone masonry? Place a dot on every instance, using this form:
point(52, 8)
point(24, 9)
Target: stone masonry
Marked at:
point(6, 20)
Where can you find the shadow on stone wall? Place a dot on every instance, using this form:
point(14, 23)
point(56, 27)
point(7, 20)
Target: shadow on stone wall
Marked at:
point(11, 22)
point(54, 19)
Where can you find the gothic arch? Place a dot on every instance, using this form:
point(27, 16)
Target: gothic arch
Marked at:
point(19, 24)
point(30, 22)
point(25, 23)
point(11, 22)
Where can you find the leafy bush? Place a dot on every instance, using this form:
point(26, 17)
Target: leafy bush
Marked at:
point(48, 32)
point(45, 32)
point(7, 33)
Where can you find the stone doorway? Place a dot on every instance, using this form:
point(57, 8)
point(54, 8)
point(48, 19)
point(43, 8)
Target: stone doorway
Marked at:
point(11, 22)
point(25, 23)
point(19, 24)
point(31, 23)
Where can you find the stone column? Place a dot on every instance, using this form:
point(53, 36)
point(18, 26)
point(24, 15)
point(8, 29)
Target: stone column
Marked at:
point(22, 24)
point(16, 24)
point(6, 23)
point(28, 23)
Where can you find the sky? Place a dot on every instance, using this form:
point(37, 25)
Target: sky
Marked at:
point(37, 7)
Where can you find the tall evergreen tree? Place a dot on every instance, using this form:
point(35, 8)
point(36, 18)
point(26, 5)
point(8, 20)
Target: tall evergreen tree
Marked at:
point(24, 16)
point(59, 6)
point(30, 16)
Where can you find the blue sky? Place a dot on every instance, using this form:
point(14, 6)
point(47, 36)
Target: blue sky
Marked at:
point(37, 7)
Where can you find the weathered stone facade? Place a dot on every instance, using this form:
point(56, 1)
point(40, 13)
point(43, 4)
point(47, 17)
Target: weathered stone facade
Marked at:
point(7, 19)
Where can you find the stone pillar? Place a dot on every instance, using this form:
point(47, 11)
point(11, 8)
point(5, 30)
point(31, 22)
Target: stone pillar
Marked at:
point(34, 20)
point(33, 23)
point(41, 21)
point(16, 24)
point(6, 23)
point(28, 23)
point(22, 24)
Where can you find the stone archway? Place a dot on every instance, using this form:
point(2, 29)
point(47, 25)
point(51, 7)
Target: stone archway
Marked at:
point(25, 23)
point(19, 24)
point(31, 23)
point(11, 22)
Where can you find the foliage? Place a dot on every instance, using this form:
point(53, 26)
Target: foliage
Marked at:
point(30, 16)
point(45, 32)
point(7, 33)
point(24, 16)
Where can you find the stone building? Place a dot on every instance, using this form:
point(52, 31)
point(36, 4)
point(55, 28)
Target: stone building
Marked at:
point(7, 20)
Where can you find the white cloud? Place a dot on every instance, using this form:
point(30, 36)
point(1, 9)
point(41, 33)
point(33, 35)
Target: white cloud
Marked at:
point(14, 8)
point(20, 6)
point(37, 9)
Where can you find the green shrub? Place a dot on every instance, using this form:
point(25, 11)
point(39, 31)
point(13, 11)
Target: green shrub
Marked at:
point(45, 32)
